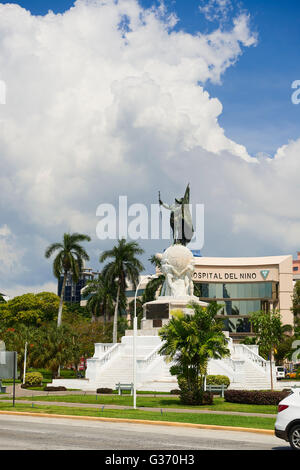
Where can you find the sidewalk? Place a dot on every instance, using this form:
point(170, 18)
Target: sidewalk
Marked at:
point(23, 392)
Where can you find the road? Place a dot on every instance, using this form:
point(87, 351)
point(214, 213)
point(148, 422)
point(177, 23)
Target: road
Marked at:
point(38, 433)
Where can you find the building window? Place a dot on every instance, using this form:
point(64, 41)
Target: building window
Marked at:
point(250, 290)
point(237, 325)
point(239, 307)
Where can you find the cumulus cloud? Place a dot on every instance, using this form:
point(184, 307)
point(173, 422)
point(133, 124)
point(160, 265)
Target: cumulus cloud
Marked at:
point(10, 254)
point(20, 289)
point(216, 10)
point(108, 99)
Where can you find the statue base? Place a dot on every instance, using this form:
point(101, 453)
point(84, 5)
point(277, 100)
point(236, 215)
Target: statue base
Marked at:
point(158, 312)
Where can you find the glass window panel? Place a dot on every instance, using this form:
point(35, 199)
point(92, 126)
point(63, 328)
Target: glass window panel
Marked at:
point(219, 291)
point(254, 290)
point(237, 325)
point(212, 291)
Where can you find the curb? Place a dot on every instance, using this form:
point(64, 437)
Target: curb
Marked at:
point(142, 421)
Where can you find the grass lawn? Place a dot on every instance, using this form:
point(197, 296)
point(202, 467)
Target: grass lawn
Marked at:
point(220, 420)
point(155, 402)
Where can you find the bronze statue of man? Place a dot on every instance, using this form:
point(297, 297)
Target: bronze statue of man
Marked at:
point(180, 218)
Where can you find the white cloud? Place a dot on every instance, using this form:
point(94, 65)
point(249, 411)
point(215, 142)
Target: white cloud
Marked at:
point(10, 254)
point(216, 10)
point(109, 99)
point(20, 289)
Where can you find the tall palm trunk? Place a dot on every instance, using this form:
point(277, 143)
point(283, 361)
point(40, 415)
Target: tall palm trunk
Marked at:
point(271, 371)
point(59, 318)
point(115, 328)
point(94, 316)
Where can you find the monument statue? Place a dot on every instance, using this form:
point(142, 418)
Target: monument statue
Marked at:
point(177, 262)
point(180, 218)
point(177, 265)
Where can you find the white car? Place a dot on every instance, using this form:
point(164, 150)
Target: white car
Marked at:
point(287, 424)
point(280, 374)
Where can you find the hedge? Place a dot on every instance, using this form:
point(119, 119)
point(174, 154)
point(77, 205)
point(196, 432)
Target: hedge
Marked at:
point(255, 397)
point(105, 390)
point(54, 389)
point(217, 380)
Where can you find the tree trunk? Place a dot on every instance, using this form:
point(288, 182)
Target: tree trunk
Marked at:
point(94, 316)
point(115, 327)
point(59, 318)
point(104, 313)
point(271, 371)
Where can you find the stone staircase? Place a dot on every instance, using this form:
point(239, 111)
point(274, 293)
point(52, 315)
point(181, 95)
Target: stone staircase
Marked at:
point(113, 363)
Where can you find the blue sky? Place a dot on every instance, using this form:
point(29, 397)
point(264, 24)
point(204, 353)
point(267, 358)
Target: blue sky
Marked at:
point(256, 91)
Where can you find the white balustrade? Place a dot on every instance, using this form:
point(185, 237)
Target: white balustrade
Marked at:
point(109, 354)
point(243, 350)
point(143, 363)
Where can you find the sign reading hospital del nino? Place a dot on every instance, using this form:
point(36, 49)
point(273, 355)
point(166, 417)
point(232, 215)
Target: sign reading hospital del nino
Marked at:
point(202, 274)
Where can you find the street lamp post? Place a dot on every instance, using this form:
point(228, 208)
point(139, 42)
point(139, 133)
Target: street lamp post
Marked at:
point(134, 339)
point(25, 359)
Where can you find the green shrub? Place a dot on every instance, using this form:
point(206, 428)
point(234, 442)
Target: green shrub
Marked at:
point(217, 380)
point(54, 389)
point(175, 391)
point(193, 394)
point(33, 379)
point(255, 397)
point(105, 390)
point(47, 374)
point(68, 373)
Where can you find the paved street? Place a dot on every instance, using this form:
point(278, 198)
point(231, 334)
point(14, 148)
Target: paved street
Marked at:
point(37, 433)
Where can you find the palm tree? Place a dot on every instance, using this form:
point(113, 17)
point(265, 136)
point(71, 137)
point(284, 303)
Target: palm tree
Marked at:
point(124, 266)
point(56, 348)
point(190, 341)
point(155, 284)
point(101, 295)
point(69, 260)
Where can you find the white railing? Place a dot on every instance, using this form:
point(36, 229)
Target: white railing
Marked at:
point(109, 354)
point(102, 348)
point(243, 350)
point(143, 363)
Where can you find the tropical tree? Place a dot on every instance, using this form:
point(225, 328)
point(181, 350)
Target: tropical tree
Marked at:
point(190, 341)
point(2, 299)
point(30, 309)
point(56, 348)
point(269, 331)
point(69, 260)
point(124, 265)
point(155, 284)
point(296, 303)
point(101, 295)
point(282, 350)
